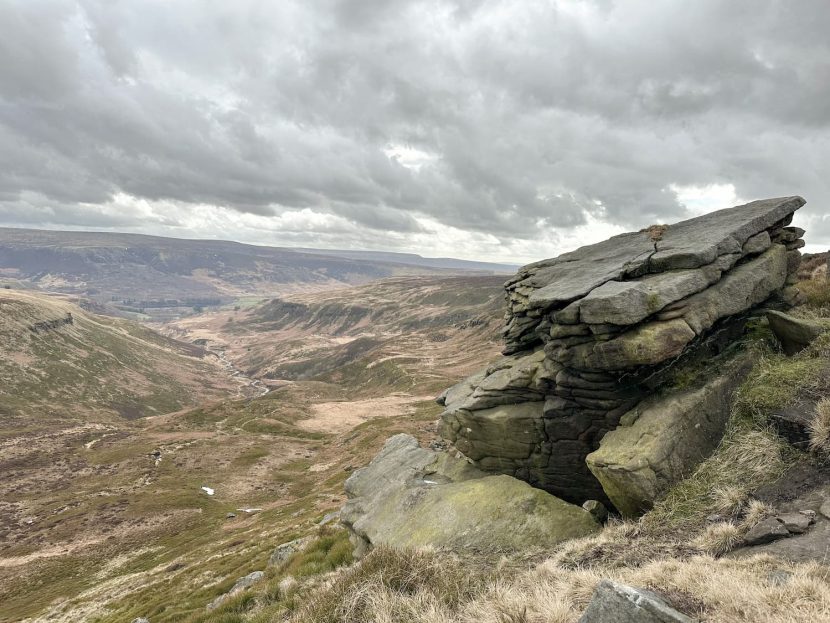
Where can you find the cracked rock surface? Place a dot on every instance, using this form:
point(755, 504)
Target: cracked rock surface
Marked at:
point(591, 333)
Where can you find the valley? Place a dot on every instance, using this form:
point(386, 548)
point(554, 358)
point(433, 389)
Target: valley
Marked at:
point(104, 515)
point(149, 467)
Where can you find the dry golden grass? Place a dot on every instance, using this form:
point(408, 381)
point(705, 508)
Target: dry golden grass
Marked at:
point(719, 538)
point(820, 426)
point(816, 292)
point(730, 499)
point(412, 587)
point(754, 512)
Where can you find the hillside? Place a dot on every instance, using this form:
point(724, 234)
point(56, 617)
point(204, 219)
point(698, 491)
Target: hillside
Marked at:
point(58, 361)
point(115, 523)
point(166, 277)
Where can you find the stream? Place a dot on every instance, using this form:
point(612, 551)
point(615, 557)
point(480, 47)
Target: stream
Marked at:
point(255, 384)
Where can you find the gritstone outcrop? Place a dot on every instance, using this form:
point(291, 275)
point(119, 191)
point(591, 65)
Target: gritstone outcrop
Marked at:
point(592, 333)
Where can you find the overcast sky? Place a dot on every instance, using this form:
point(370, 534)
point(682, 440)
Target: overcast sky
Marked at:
point(505, 131)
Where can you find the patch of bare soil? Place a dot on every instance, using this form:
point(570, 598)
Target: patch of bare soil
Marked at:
point(804, 487)
point(339, 417)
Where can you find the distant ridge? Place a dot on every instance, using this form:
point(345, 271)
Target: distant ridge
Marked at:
point(165, 277)
point(416, 260)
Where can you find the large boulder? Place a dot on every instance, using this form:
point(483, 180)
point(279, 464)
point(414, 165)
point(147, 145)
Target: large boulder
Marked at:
point(662, 440)
point(591, 333)
point(410, 496)
point(613, 602)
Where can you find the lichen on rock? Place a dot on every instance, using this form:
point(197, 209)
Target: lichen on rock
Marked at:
point(410, 496)
point(591, 333)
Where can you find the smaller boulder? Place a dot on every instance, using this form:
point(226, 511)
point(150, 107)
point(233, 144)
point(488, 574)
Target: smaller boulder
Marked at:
point(795, 523)
point(766, 531)
point(597, 510)
point(795, 334)
point(410, 496)
point(617, 603)
point(283, 552)
point(240, 585)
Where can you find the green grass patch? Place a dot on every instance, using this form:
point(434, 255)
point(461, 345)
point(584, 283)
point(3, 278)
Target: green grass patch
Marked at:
point(777, 381)
point(750, 454)
point(250, 456)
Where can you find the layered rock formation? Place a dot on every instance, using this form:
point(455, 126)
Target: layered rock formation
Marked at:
point(658, 441)
point(591, 333)
point(410, 496)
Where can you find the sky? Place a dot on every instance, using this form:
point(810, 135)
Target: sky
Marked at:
point(493, 130)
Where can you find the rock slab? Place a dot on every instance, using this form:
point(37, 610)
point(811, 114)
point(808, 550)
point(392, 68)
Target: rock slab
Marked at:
point(240, 585)
point(410, 496)
point(766, 531)
point(795, 334)
point(284, 551)
point(617, 603)
point(663, 439)
point(591, 333)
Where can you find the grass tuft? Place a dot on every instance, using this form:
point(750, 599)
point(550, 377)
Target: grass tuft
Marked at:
point(394, 585)
point(756, 511)
point(718, 539)
point(729, 500)
point(820, 426)
point(747, 458)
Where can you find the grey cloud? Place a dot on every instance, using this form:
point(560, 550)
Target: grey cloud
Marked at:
point(536, 113)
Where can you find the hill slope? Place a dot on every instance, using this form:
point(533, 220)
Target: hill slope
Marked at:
point(375, 336)
point(60, 362)
point(95, 526)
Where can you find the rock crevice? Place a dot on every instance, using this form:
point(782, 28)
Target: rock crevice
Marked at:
point(591, 333)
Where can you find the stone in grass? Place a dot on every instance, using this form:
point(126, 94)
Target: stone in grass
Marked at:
point(795, 523)
point(141, 620)
point(618, 603)
point(283, 552)
point(766, 531)
point(779, 577)
point(240, 585)
point(793, 425)
point(597, 510)
point(795, 334)
point(810, 514)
